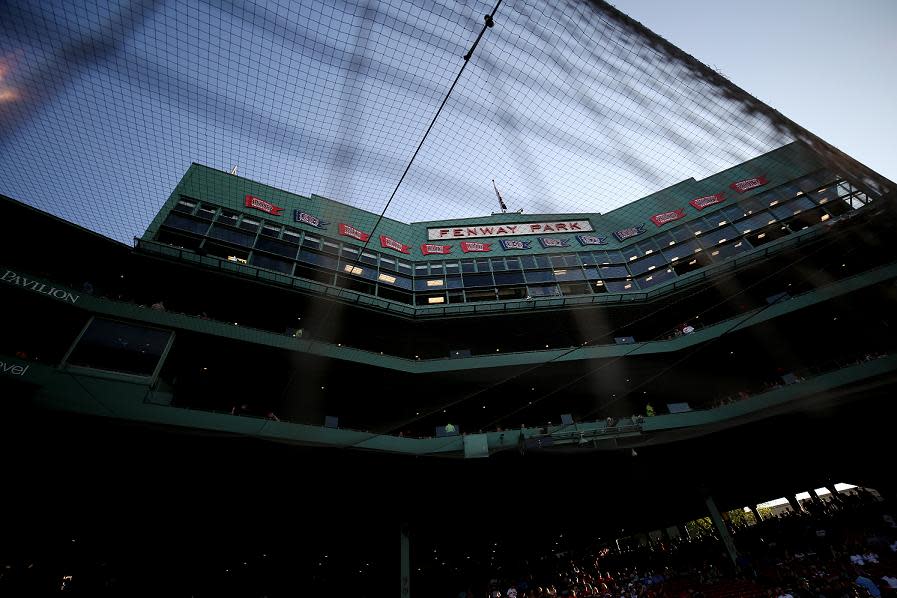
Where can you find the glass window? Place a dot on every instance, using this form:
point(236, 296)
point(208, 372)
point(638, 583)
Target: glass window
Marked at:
point(312, 242)
point(664, 239)
point(793, 207)
point(647, 264)
point(404, 267)
point(557, 261)
point(700, 226)
point(186, 223)
point(485, 295)
point(421, 269)
point(511, 293)
point(543, 261)
point(620, 286)
point(513, 263)
point(435, 267)
point(725, 250)
point(269, 230)
point(393, 294)
point(468, 266)
point(433, 283)
point(754, 222)
point(206, 212)
point(271, 263)
point(647, 247)
point(682, 250)
point(227, 217)
point(824, 195)
point(681, 233)
point(539, 276)
point(508, 278)
point(575, 288)
point(613, 272)
point(387, 263)
point(588, 259)
point(550, 290)
point(454, 282)
point(732, 213)
point(231, 235)
point(431, 299)
point(807, 218)
point(120, 347)
point(369, 257)
point(751, 205)
point(396, 280)
point(609, 257)
point(291, 235)
point(655, 277)
point(528, 262)
point(330, 246)
point(720, 235)
point(569, 274)
point(276, 246)
point(498, 264)
point(483, 265)
point(816, 180)
point(185, 205)
point(452, 268)
point(319, 259)
point(478, 280)
point(456, 297)
point(571, 259)
point(631, 253)
point(249, 224)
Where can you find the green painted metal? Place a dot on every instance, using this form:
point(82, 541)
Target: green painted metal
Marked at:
point(176, 321)
point(207, 184)
point(134, 401)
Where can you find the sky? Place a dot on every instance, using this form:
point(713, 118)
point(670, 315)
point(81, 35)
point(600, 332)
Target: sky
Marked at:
point(105, 104)
point(829, 65)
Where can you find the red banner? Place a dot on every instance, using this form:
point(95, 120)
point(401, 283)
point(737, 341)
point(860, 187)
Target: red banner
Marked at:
point(661, 219)
point(745, 185)
point(393, 244)
point(264, 206)
point(700, 203)
point(467, 246)
point(427, 249)
point(350, 231)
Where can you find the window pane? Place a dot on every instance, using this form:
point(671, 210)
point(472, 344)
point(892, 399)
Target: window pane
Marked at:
point(186, 223)
point(478, 280)
point(508, 278)
point(231, 235)
point(569, 274)
point(620, 286)
point(656, 277)
point(543, 291)
point(271, 263)
point(613, 271)
point(539, 276)
point(275, 246)
point(788, 209)
point(714, 237)
point(754, 222)
point(647, 264)
point(120, 347)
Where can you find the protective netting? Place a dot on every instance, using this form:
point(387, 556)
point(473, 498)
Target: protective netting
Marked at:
point(570, 106)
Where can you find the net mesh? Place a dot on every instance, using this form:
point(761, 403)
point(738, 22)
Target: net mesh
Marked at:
point(570, 106)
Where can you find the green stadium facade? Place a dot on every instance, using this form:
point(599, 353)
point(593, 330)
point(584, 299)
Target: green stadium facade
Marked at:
point(321, 324)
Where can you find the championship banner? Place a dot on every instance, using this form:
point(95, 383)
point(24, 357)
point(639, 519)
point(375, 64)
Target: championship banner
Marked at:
point(468, 246)
point(700, 203)
point(428, 248)
point(505, 244)
point(350, 231)
point(661, 219)
point(747, 184)
point(628, 233)
point(591, 240)
point(306, 218)
point(393, 244)
point(264, 206)
point(548, 242)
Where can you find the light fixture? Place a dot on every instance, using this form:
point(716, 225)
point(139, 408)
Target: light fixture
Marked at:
point(432, 300)
point(386, 278)
point(435, 283)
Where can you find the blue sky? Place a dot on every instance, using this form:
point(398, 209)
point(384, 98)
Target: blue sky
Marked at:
point(829, 65)
point(104, 105)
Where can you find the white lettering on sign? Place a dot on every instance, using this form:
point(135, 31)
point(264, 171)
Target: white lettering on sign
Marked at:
point(38, 287)
point(508, 230)
point(13, 369)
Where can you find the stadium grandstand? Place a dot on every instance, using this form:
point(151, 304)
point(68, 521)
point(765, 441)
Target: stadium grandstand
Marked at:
point(413, 299)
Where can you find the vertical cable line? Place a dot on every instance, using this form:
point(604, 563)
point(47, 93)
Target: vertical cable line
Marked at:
point(489, 22)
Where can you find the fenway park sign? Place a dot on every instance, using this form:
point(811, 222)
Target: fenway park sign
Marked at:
point(508, 230)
